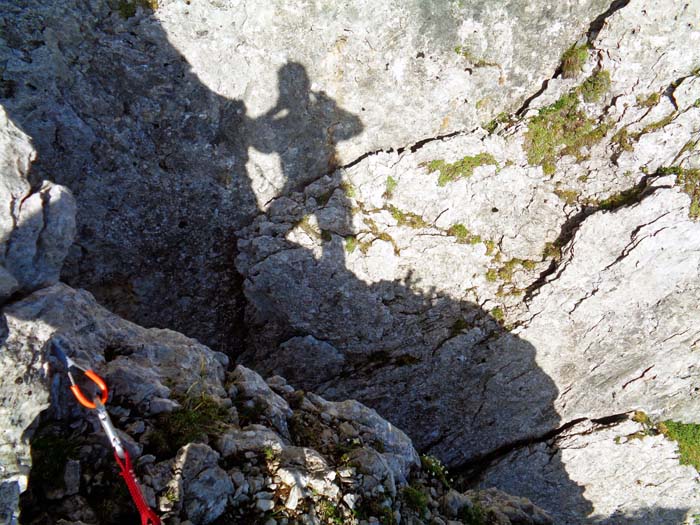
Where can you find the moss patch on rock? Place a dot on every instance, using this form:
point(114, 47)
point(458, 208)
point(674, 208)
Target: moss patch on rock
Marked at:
point(561, 129)
point(450, 172)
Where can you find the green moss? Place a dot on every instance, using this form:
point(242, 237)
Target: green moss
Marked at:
point(406, 218)
point(415, 499)
point(350, 243)
point(198, 418)
point(595, 86)
point(623, 140)
point(649, 101)
point(560, 129)
point(655, 126)
point(688, 438)
point(501, 118)
point(458, 326)
point(497, 313)
point(490, 247)
point(391, 184)
point(460, 169)
point(623, 198)
point(689, 181)
point(568, 196)
point(472, 515)
point(463, 235)
point(491, 275)
point(573, 59)
point(127, 8)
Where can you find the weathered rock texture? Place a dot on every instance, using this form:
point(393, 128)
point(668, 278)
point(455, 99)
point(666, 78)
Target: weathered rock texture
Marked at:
point(208, 450)
point(173, 130)
point(37, 225)
point(483, 285)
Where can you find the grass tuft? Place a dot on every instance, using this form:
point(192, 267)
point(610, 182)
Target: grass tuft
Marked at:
point(573, 59)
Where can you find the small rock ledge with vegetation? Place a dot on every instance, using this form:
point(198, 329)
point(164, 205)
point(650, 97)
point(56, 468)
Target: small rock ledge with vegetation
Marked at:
point(460, 241)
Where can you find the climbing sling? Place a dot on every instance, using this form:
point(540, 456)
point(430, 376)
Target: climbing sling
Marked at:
point(148, 516)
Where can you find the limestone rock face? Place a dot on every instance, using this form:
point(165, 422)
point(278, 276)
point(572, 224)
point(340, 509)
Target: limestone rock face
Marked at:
point(37, 225)
point(489, 245)
point(173, 130)
point(639, 467)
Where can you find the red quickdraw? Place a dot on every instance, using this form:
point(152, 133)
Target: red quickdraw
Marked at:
point(148, 517)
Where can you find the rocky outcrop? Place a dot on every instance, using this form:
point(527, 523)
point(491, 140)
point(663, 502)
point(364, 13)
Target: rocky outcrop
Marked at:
point(37, 225)
point(208, 449)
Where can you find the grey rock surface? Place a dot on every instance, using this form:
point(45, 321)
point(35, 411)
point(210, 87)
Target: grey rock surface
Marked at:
point(641, 468)
point(169, 153)
point(481, 285)
point(37, 224)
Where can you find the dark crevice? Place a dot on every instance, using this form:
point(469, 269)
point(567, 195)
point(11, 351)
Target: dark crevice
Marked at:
point(567, 232)
point(412, 148)
point(526, 104)
point(474, 466)
point(593, 30)
point(597, 24)
point(628, 197)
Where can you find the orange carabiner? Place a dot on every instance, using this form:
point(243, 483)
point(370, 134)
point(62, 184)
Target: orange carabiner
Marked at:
point(82, 399)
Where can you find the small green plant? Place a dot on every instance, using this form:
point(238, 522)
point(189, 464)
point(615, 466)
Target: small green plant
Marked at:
point(350, 243)
point(492, 275)
point(490, 247)
point(391, 185)
point(465, 53)
point(551, 251)
point(659, 124)
point(622, 198)
point(433, 465)
point(269, 453)
point(568, 196)
point(649, 101)
point(462, 234)
point(595, 86)
point(472, 515)
point(450, 172)
point(501, 118)
point(199, 417)
point(497, 313)
point(308, 228)
point(415, 499)
point(573, 59)
point(406, 218)
point(348, 189)
point(330, 513)
point(127, 8)
point(624, 140)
